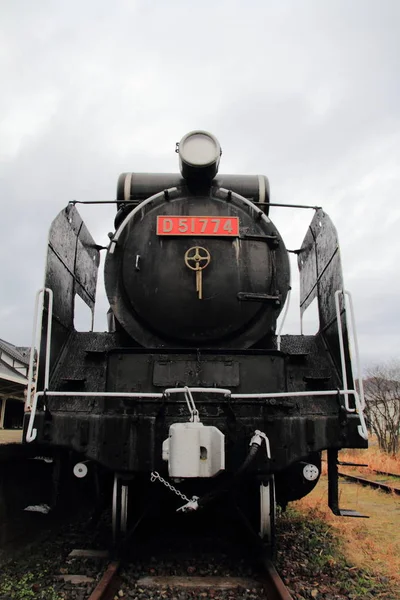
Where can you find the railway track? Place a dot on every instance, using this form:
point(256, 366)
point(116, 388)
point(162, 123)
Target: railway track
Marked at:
point(108, 583)
point(225, 572)
point(268, 585)
point(387, 473)
point(381, 485)
point(202, 556)
point(197, 561)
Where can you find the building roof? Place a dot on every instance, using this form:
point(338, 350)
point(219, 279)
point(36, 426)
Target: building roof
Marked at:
point(20, 353)
point(13, 383)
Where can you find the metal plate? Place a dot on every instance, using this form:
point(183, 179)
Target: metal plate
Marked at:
point(199, 226)
point(320, 277)
point(72, 264)
point(190, 372)
point(150, 371)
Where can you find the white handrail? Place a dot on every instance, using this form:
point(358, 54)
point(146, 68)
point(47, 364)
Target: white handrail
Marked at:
point(341, 349)
point(48, 337)
point(204, 390)
point(31, 432)
point(362, 428)
point(356, 351)
point(40, 295)
point(28, 403)
point(293, 394)
point(130, 216)
point(360, 403)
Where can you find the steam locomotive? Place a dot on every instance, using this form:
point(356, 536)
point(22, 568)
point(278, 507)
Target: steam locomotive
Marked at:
point(192, 386)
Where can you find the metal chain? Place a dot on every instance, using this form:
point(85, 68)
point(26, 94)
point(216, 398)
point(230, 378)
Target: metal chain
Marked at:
point(154, 476)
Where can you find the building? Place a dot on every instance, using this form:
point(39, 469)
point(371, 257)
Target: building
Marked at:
point(14, 365)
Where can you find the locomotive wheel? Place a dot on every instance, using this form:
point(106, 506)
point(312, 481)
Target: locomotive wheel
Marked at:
point(119, 509)
point(267, 523)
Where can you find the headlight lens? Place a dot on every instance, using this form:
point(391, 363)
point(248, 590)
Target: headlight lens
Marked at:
point(199, 154)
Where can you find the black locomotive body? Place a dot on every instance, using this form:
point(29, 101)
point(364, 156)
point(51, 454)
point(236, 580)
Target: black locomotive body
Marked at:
point(192, 373)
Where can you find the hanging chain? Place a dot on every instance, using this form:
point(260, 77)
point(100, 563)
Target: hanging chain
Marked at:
point(154, 476)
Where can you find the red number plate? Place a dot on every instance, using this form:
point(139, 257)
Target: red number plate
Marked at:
point(198, 226)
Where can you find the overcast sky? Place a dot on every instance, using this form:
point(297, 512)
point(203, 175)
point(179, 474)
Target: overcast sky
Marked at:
point(306, 92)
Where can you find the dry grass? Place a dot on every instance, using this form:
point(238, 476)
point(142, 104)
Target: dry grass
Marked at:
point(374, 458)
point(373, 543)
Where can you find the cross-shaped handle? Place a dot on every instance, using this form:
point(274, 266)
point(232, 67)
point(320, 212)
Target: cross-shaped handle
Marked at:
point(198, 258)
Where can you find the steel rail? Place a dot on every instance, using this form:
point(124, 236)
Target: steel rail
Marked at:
point(270, 583)
point(105, 588)
point(386, 473)
point(369, 482)
point(274, 587)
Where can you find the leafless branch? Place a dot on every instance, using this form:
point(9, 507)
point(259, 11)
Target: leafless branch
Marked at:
point(382, 394)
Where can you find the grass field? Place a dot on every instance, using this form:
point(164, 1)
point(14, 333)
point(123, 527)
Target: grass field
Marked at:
point(374, 458)
point(372, 543)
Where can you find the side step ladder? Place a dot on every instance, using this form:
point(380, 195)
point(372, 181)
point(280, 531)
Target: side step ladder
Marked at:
point(333, 488)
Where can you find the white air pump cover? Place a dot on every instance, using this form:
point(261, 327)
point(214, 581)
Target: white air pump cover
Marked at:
point(194, 450)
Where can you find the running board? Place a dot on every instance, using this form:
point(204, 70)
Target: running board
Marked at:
point(333, 488)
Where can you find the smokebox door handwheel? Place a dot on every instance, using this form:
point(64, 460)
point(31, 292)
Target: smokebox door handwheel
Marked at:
point(197, 259)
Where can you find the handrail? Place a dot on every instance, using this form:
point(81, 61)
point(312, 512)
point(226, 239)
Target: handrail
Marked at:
point(130, 215)
point(356, 350)
point(341, 349)
point(362, 428)
point(31, 432)
point(40, 294)
point(355, 341)
point(28, 403)
point(48, 337)
point(359, 398)
point(246, 201)
point(268, 204)
point(204, 390)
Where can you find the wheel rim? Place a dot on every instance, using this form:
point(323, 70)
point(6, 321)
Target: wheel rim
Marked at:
point(267, 511)
point(116, 508)
point(119, 509)
point(124, 508)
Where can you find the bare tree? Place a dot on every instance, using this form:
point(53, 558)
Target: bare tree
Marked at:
point(382, 395)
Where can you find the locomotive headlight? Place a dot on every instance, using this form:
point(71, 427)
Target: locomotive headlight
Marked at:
point(199, 155)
